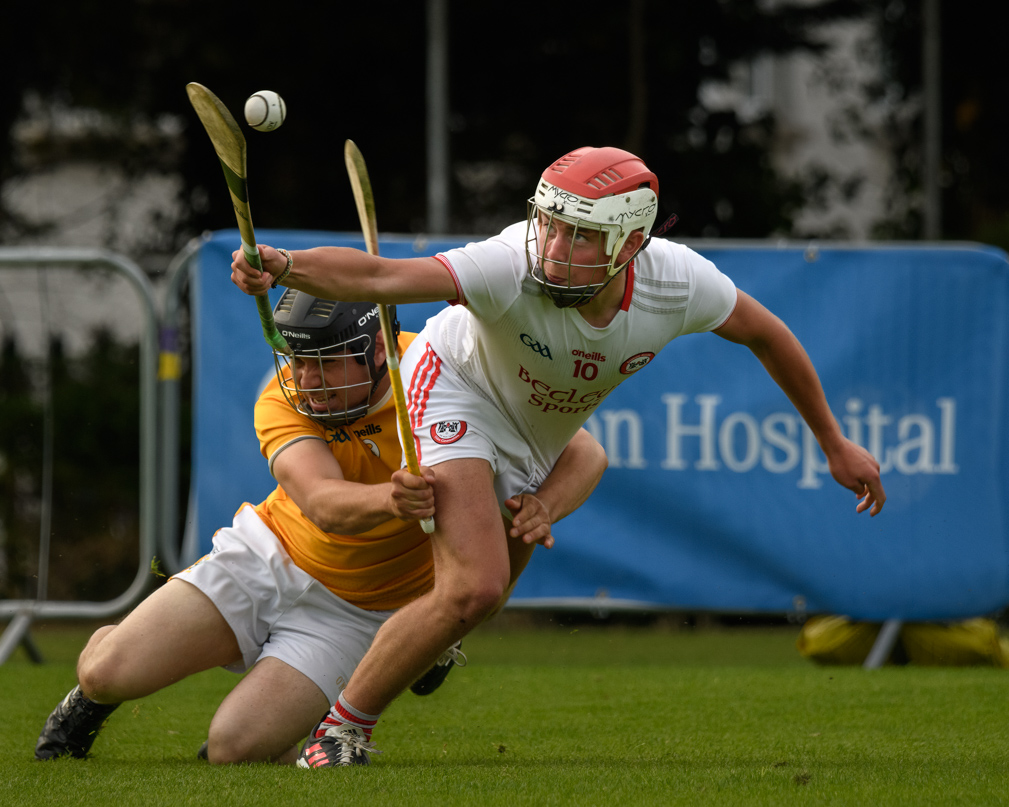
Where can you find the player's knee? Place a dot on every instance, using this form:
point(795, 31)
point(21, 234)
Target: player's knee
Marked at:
point(473, 600)
point(231, 747)
point(108, 673)
point(99, 678)
point(227, 745)
point(97, 673)
point(225, 750)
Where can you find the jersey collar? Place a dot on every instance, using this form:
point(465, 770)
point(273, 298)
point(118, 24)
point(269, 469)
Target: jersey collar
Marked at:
point(629, 288)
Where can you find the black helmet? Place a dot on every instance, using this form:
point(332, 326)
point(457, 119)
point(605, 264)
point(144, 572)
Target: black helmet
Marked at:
point(317, 330)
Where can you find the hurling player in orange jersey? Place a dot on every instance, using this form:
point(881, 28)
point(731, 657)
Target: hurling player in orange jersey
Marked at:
point(296, 588)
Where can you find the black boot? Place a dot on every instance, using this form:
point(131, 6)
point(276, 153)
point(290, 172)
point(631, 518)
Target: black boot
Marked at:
point(72, 727)
point(433, 678)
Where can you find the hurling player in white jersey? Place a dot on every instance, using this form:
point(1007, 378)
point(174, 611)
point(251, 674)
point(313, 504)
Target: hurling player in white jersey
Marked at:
point(547, 318)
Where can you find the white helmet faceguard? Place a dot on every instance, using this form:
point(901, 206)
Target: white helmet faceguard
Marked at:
point(607, 190)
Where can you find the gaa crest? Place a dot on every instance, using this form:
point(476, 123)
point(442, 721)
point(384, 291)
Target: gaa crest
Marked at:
point(448, 431)
point(635, 363)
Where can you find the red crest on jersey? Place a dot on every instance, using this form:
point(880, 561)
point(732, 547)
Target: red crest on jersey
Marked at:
point(445, 432)
point(635, 363)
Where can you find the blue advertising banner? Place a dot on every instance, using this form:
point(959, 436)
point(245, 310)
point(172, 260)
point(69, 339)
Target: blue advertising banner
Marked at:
point(717, 497)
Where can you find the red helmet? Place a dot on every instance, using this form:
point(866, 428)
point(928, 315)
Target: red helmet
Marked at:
point(598, 172)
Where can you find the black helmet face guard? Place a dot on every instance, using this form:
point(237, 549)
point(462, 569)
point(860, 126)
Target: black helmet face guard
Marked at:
point(330, 375)
point(332, 385)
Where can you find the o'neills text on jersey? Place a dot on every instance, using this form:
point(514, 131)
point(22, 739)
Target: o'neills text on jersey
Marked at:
point(338, 434)
point(581, 354)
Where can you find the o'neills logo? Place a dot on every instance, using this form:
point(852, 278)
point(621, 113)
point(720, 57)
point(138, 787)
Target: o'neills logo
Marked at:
point(297, 334)
point(635, 363)
point(448, 431)
point(364, 320)
point(581, 354)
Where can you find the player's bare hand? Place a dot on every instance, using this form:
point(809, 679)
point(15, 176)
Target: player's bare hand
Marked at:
point(855, 468)
point(251, 280)
point(530, 520)
point(412, 497)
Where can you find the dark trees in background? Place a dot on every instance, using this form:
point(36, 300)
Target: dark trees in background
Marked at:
point(974, 116)
point(94, 514)
point(529, 81)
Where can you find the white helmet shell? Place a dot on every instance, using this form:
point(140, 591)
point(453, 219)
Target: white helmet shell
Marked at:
point(617, 216)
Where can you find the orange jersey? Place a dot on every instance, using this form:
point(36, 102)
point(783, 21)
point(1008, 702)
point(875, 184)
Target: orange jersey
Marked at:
point(381, 569)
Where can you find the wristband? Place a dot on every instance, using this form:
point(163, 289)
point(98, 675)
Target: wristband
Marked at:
point(287, 269)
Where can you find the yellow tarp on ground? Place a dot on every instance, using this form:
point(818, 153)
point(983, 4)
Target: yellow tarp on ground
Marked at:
point(839, 640)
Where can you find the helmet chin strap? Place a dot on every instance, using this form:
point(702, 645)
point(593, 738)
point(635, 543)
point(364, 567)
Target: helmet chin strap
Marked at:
point(577, 292)
point(572, 296)
point(599, 291)
point(379, 375)
point(351, 416)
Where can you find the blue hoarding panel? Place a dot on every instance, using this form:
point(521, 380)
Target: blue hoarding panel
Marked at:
point(716, 496)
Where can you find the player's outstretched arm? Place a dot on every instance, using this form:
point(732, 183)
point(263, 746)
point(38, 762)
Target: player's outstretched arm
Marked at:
point(572, 480)
point(341, 273)
point(785, 360)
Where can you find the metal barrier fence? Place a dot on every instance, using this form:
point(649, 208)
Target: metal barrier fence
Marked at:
point(20, 613)
point(178, 277)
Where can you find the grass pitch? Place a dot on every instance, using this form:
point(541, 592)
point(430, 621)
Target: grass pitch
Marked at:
point(562, 716)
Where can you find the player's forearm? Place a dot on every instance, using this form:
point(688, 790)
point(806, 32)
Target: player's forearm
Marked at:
point(349, 508)
point(340, 273)
point(574, 476)
point(335, 273)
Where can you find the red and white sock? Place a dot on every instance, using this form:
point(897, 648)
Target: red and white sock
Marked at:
point(343, 713)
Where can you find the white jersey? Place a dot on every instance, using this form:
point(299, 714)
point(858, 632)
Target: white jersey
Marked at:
point(546, 368)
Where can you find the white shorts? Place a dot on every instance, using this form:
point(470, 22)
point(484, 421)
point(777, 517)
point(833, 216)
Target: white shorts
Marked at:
point(452, 420)
point(277, 609)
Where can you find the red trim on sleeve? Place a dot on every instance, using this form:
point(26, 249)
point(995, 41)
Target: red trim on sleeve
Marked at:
point(629, 288)
point(421, 382)
point(460, 298)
